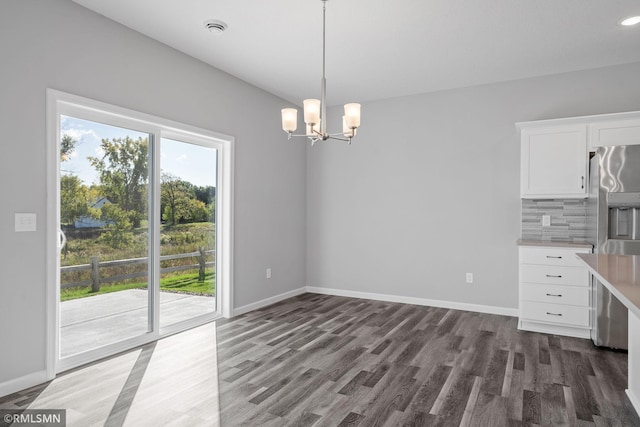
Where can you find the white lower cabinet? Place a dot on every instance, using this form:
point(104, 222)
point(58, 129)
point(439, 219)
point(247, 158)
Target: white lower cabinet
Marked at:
point(554, 291)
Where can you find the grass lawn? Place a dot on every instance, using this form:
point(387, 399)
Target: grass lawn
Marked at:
point(181, 283)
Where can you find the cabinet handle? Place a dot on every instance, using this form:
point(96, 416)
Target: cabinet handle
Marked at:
point(554, 295)
point(554, 314)
point(551, 275)
point(554, 257)
point(582, 181)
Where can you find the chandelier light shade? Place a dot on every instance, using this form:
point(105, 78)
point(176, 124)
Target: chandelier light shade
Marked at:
point(315, 110)
point(311, 111)
point(289, 119)
point(352, 115)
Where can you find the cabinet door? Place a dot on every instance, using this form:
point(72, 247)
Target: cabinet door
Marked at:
point(621, 132)
point(554, 162)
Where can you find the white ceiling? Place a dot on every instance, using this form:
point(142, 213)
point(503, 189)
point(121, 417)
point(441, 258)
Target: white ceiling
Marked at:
point(382, 49)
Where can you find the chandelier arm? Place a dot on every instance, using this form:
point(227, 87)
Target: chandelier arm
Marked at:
point(291, 134)
point(339, 138)
point(320, 134)
point(317, 135)
point(320, 137)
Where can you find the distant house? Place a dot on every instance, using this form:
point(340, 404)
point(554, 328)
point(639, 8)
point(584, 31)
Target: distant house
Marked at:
point(87, 221)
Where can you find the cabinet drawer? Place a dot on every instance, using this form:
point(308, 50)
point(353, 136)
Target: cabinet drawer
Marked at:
point(552, 256)
point(567, 295)
point(554, 275)
point(555, 313)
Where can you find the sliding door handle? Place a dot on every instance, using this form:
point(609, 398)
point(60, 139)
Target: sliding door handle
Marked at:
point(62, 239)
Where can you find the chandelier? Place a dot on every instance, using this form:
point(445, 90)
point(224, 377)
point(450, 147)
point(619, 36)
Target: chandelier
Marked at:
point(315, 110)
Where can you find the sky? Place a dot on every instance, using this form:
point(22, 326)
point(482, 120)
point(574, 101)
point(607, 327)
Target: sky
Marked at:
point(189, 162)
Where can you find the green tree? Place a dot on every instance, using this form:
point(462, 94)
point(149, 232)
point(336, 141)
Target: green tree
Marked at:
point(75, 199)
point(197, 211)
point(205, 194)
point(175, 196)
point(123, 171)
point(118, 234)
point(211, 212)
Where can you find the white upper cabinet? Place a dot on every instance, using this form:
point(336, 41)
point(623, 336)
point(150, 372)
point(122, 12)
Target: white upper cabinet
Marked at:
point(616, 132)
point(555, 153)
point(554, 162)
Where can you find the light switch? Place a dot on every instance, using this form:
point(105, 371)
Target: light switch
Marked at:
point(25, 222)
point(546, 220)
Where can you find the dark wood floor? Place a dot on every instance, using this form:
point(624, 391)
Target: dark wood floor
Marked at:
point(332, 361)
point(326, 361)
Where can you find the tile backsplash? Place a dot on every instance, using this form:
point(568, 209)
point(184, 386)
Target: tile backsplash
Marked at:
point(568, 219)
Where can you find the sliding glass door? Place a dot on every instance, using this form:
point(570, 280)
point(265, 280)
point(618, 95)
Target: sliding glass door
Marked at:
point(104, 217)
point(138, 212)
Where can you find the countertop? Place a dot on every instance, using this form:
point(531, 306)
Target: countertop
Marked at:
point(554, 243)
point(620, 274)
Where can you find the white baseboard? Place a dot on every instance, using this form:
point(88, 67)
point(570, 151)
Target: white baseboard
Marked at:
point(268, 301)
point(546, 328)
point(504, 311)
point(22, 383)
point(634, 401)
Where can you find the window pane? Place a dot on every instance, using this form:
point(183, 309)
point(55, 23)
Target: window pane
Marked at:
point(104, 213)
point(188, 231)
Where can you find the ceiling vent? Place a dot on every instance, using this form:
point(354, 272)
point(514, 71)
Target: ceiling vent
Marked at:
point(216, 27)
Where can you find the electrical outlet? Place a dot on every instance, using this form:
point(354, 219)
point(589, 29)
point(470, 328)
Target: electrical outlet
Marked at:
point(269, 273)
point(546, 220)
point(469, 277)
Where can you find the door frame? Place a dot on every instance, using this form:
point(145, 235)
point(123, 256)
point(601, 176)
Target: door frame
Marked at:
point(64, 103)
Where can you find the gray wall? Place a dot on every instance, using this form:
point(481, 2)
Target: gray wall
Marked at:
point(58, 44)
point(429, 190)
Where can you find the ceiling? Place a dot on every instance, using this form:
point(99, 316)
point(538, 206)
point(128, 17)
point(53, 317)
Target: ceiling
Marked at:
point(383, 49)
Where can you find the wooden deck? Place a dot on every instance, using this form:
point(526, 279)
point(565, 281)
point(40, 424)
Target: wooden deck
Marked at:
point(91, 322)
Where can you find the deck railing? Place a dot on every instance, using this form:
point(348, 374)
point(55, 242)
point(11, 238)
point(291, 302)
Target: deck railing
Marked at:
point(96, 265)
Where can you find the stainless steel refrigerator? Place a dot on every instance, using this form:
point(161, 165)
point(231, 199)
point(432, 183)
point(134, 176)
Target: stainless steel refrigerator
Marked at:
point(613, 226)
